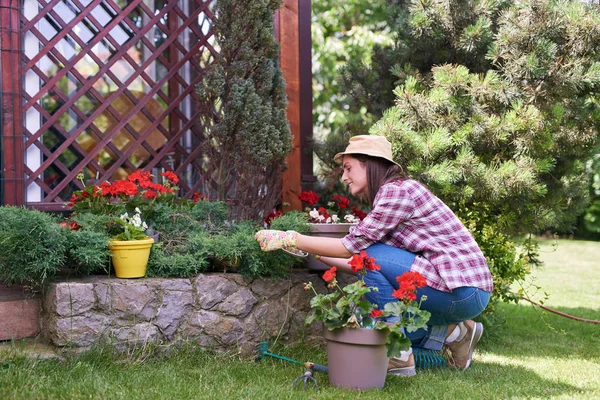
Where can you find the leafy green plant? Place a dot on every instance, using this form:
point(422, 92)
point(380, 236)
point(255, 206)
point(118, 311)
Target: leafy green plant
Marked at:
point(185, 262)
point(508, 260)
point(128, 227)
point(348, 307)
point(291, 221)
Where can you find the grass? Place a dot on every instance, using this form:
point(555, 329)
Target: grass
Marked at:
point(532, 354)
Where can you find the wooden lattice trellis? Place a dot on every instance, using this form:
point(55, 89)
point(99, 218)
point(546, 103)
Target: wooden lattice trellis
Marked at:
point(105, 87)
point(116, 92)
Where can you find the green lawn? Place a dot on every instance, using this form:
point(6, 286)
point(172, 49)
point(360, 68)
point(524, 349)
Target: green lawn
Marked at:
point(531, 355)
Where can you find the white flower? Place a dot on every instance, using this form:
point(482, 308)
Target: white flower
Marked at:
point(137, 210)
point(335, 219)
point(321, 218)
point(351, 218)
point(124, 217)
point(328, 221)
point(136, 221)
point(314, 214)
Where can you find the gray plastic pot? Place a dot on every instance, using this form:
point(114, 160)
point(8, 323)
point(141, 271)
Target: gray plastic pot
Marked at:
point(356, 357)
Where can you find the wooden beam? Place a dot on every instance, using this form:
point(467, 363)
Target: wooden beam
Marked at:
point(12, 173)
point(306, 99)
point(290, 62)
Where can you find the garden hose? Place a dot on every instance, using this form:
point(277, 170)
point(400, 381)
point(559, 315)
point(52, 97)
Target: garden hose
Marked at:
point(428, 358)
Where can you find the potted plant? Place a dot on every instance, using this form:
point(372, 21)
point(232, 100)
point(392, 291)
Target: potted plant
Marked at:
point(333, 221)
point(130, 247)
point(359, 340)
point(338, 210)
point(120, 205)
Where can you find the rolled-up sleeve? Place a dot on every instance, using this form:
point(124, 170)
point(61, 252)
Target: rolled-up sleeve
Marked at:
point(391, 207)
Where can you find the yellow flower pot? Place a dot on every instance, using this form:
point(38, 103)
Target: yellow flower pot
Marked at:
point(130, 257)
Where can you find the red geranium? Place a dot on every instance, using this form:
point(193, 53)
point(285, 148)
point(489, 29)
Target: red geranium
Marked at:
point(342, 202)
point(329, 275)
point(198, 196)
point(139, 176)
point(359, 213)
point(272, 216)
point(408, 283)
point(309, 197)
point(170, 175)
point(138, 190)
point(337, 210)
point(71, 225)
point(376, 313)
point(362, 262)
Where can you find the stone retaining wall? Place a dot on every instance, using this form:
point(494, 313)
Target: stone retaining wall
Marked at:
point(217, 311)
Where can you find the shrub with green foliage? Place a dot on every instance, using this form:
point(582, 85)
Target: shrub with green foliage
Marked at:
point(32, 246)
point(242, 105)
point(36, 246)
point(87, 251)
point(496, 104)
point(508, 260)
point(590, 224)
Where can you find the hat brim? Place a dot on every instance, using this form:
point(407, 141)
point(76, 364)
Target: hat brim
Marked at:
point(339, 157)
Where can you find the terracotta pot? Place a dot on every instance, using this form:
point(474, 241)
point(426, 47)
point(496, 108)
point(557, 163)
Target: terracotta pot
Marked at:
point(326, 230)
point(130, 257)
point(356, 357)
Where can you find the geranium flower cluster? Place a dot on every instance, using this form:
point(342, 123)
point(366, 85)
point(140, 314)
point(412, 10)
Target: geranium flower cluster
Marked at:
point(137, 190)
point(338, 210)
point(138, 194)
point(408, 283)
point(138, 183)
point(347, 306)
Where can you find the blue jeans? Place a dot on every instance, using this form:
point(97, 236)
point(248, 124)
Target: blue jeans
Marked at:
point(461, 304)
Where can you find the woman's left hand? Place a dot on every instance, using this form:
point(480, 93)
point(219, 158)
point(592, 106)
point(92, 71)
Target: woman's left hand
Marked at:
point(270, 240)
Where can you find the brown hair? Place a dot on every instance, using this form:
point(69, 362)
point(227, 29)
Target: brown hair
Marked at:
point(379, 172)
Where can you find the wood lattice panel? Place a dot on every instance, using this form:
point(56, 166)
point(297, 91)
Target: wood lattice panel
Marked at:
point(109, 89)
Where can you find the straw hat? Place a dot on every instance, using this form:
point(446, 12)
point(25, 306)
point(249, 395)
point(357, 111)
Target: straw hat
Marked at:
point(375, 146)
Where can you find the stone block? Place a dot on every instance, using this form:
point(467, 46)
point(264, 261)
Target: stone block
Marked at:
point(71, 298)
point(212, 289)
point(174, 306)
point(239, 304)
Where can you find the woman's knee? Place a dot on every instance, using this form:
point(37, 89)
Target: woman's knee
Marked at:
point(470, 306)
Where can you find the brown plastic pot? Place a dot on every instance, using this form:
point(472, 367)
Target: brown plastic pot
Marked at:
point(356, 357)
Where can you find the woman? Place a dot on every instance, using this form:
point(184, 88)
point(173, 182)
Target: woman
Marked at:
point(408, 229)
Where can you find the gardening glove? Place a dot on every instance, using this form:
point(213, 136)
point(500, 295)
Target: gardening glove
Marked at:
point(270, 240)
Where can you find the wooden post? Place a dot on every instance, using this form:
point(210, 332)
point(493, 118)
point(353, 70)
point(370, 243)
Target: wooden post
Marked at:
point(306, 99)
point(12, 174)
point(292, 22)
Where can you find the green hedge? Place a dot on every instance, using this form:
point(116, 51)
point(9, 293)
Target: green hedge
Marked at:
point(34, 247)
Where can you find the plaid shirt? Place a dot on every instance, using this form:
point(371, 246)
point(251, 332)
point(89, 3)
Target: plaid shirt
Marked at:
point(408, 216)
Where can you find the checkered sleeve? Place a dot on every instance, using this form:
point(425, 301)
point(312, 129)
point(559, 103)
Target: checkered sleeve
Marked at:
point(391, 207)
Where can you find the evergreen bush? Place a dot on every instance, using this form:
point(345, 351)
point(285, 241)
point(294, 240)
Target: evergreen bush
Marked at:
point(32, 246)
point(496, 104)
point(87, 251)
point(242, 105)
